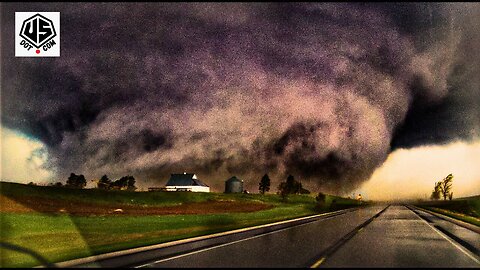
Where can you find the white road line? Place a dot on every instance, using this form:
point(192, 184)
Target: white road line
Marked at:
point(226, 244)
point(459, 247)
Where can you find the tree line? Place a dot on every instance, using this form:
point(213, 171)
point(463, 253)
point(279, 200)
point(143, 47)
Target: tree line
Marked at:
point(290, 186)
point(126, 182)
point(79, 181)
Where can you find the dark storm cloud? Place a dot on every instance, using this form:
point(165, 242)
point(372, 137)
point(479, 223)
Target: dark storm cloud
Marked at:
point(445, 108)
point(322, 91)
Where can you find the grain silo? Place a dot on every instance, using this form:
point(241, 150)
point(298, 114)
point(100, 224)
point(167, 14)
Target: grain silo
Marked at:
point(234, 185)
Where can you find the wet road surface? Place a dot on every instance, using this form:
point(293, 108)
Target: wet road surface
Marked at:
point(374, 236)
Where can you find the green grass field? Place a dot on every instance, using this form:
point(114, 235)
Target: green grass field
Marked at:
point(60, 237)
point(465, 209)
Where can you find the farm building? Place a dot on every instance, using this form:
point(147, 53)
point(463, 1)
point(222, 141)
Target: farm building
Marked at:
point(234, 185)
point(186, 182)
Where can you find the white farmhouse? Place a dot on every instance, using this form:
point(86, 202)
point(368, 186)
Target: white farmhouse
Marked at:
point(186, 182)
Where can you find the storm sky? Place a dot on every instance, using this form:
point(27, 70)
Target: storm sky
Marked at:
point(321, 91)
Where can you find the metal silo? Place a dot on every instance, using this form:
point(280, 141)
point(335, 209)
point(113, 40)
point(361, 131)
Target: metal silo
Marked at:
point(234, 185)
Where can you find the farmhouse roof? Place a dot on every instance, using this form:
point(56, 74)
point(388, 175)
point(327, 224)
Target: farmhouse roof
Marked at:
point(184, 179)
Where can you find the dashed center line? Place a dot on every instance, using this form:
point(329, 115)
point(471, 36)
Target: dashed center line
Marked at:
point(330, 250)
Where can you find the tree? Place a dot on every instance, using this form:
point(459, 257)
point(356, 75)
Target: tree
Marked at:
point(320, 198)
point(57, 184)
point(446, 186)
point(283, 190)
point(126, 182)
point(264, 185)
point(443, 189)
point(436, 191)
point(76, 181)
point(291, 186)
point(131, 183)
point(120, 183)
point(104, 183)
point(298, 188)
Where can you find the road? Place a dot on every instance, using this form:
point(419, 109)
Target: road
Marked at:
point(376, 236)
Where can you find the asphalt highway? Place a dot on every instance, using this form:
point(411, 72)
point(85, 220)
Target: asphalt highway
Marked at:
point(401, 238)
point(375, 236)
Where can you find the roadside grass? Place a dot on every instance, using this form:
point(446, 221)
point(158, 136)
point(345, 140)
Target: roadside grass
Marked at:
point(60, 237)
point(465, 209)
point(460, 216)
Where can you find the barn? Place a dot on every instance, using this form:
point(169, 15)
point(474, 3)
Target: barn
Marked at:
point(234, 185)
point(186, 182)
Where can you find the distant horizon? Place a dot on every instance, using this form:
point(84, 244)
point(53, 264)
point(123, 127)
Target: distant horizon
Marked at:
point(408, 200)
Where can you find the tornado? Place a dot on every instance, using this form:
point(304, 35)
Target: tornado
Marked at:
point(322, 91)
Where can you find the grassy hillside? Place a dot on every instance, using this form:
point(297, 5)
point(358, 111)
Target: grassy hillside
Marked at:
point(59, 224)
